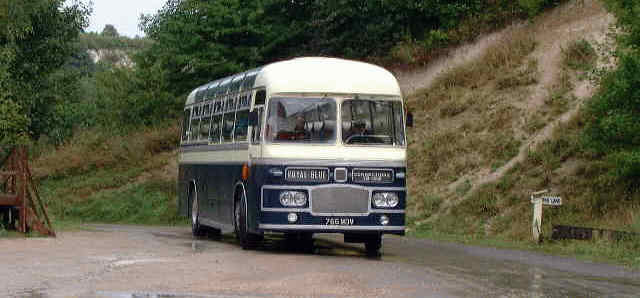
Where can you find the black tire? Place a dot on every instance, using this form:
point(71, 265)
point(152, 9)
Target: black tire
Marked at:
point(4, 217)
point(247, 240)
point(373, 246)
point(8, 217)
point(196, 229)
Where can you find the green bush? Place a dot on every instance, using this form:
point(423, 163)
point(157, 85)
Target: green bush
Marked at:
point(534, 7)
point(614, 113)
point(627, 12)
point(627, 167)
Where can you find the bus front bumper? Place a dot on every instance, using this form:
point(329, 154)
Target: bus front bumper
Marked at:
point(384, 223)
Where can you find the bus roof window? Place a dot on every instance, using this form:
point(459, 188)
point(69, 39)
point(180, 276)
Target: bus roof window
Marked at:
point(200, 94)
point(211, 90)
point(249, 79)
point(236, 83)
point(223, 87)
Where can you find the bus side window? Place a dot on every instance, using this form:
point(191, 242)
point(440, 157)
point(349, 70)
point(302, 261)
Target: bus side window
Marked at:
point(241, 125)
point(185, 125)
point(228, 119)
point(241, 129)
point(205, 124)
point(215, 129)
point(214, 136)
point(195, 128)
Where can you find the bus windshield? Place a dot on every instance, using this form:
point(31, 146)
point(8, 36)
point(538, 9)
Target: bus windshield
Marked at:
point(372, 122)
point(309, 120)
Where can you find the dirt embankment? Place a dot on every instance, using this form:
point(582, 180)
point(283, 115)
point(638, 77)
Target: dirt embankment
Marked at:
point(526, 117)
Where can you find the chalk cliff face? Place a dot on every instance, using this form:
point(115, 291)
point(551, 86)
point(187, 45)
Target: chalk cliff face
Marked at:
point(116, 57)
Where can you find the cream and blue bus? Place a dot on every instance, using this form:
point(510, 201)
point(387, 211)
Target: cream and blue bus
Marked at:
point(303, 146)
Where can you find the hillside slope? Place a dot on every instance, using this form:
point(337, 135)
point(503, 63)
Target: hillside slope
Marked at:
point(492, 130)
point(476, 120)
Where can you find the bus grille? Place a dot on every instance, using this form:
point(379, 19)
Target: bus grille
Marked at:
point(337, 200)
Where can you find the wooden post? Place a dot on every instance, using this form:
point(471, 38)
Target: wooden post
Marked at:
point(536, 223)
point(538, 202)
point(536, 227)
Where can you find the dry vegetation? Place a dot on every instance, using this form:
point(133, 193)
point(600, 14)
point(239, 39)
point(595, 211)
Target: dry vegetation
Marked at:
point(479, 119)
point(470, 116)
point(96, 149)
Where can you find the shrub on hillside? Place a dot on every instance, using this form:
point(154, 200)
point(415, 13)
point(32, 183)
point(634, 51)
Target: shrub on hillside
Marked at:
point(533, 7)
point(580, 55)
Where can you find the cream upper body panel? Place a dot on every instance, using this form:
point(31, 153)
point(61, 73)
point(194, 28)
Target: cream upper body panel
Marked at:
point(327, 75)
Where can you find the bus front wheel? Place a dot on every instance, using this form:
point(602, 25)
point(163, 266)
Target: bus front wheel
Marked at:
point(247, 240)
point(373, 246)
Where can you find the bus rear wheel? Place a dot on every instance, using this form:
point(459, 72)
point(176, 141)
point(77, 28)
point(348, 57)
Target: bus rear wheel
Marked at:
point(196, 229)
point(7, 218)
point(247, 240)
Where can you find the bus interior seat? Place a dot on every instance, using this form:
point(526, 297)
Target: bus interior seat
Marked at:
point(346, 125)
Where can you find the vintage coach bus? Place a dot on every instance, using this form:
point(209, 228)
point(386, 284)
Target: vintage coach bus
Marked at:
point(308, 145)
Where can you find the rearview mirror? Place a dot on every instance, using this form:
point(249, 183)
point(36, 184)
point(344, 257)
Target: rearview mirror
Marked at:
point(409, 119)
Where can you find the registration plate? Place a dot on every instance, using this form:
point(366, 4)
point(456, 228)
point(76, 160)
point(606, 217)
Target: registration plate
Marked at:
point(336, 221)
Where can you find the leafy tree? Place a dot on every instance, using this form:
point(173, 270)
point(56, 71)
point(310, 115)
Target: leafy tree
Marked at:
point(35, 41)
point(613, 115)
point(110, 30)
point(195, 41)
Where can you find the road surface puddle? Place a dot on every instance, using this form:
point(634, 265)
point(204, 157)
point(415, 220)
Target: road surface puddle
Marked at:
point(121, 263)
point(104, 294)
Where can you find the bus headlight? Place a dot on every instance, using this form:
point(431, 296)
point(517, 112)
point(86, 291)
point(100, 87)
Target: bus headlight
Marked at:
point(385, 199)
point(293, 198)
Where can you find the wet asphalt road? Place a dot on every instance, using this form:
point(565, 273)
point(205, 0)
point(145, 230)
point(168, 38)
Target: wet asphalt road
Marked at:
point(135, 261)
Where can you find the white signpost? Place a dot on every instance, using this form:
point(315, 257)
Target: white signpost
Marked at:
point(537, 200)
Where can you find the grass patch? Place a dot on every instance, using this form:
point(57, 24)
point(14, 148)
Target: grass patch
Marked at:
point(463, 188)
point(104, 177)
point(625, 252)
point(580, 55)
point(455, 106)
point(152, 202)
point(429, 204)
